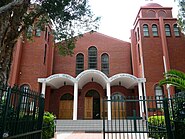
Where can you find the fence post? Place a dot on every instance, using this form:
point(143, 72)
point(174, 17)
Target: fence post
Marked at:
point(5, 113)
point(103, 118)
point(135, 123)
point(41, 113)
point(167, 119)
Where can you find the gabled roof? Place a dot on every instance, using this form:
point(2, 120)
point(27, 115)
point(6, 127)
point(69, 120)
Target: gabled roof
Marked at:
point(98, 34)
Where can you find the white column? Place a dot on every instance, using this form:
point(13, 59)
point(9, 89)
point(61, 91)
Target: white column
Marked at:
point(43, 88)
point(140, 98)
point(109, 103)
point(165, 70)
point(146, 107)
point(75, 103)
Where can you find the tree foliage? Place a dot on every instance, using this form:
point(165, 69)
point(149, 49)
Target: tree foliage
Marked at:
point(181, 15)
point(48, 125)
point(69, 18)
point(175, 78)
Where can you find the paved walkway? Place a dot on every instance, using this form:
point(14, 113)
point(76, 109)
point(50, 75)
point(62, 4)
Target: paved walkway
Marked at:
point(79, 135)
point(82, 135)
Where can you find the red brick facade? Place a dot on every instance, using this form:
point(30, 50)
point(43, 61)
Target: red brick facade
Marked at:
point(145, 57)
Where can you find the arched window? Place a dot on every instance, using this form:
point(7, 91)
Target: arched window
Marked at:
point(167, 30)
point(105, 63)
point(79, 63)
point(92, 58)
point(38, 32)
point(117, 96)
point(25, 87)
point(145, 30)
point(139, 53)
point(154, 30)
point(159, 96)
point(162, 13)
point(151, 13)
point(176, 30)
point(67, 97)
point(25, 97)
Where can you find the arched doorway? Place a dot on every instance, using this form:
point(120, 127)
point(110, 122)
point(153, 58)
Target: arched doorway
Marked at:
point(118, 106)
point(92, 105)
point(66, 106)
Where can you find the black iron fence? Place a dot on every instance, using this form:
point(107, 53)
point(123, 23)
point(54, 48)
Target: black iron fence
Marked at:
point(21, 113)
point(178, 111)
point(143, 118)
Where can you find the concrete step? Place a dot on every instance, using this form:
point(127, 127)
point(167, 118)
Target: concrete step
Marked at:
point(79, 125)
point(97, 125)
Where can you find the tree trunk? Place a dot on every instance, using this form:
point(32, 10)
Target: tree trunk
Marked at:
point(10, 28)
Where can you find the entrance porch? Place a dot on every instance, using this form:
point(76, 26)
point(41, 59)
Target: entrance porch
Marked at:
point(81, 97)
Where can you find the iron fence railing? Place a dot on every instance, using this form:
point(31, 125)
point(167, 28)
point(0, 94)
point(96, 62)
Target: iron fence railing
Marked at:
point(139, 117)
point(21, 113)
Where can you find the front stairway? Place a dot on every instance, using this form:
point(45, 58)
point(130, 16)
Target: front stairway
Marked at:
point(79, 125)
point(122, 126)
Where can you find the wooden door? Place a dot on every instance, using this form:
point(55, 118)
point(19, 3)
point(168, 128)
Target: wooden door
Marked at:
point(66, 109)
point(88, 107)
point(118, 110)
point(105, 103)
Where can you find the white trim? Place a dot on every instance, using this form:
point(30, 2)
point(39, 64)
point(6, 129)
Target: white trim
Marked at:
point(106, 79)
point(109, 103)
point(56, 78)
point(141, 98)
point(75, 103)
point(122, 75)
point(65, 76)
point(144, 85)
point(43, 88)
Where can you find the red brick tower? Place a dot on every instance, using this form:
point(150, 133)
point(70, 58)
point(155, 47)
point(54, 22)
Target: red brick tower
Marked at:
point(32, 58)
point(156, 45)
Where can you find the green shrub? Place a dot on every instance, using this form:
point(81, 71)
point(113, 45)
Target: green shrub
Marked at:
point(48, 125)
point(157, 126)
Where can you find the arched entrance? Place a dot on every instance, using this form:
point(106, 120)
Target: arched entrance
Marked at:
point(66, 106)
point(92, 105)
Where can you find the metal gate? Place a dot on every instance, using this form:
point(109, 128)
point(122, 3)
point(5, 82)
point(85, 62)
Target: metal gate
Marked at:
point(21, 113)
point(143, 118)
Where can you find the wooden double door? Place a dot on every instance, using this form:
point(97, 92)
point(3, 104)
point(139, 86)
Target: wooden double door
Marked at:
point(92, 105)
point(118, 110)
point(66, 106)
point(66, 109)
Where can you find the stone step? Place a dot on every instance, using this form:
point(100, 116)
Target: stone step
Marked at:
point(97, 125)
point(79, 125)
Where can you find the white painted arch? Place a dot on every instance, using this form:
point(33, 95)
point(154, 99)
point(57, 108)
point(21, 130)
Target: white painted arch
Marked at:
point(124, 79)
point(58, 80)
point(92, 76)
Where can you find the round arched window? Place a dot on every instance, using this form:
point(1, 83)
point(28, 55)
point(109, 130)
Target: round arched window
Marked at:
point(67, 97)
point(117, 96)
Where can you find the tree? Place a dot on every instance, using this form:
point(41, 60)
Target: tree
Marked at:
point(68, 17)
point(175, 78)
point(181, 15)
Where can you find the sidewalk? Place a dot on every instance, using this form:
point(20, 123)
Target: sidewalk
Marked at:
point(82, 135)
point(78, 135)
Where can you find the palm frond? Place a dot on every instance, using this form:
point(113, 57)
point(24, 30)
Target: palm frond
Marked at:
point(175, 73)
point(175, 78)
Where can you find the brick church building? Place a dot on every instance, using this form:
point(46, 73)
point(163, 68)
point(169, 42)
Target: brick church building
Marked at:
point(101, 66)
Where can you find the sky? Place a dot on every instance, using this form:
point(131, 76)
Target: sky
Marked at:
point(117, 16)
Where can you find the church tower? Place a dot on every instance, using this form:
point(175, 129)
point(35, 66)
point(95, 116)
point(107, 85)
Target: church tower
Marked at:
point(157, 46)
